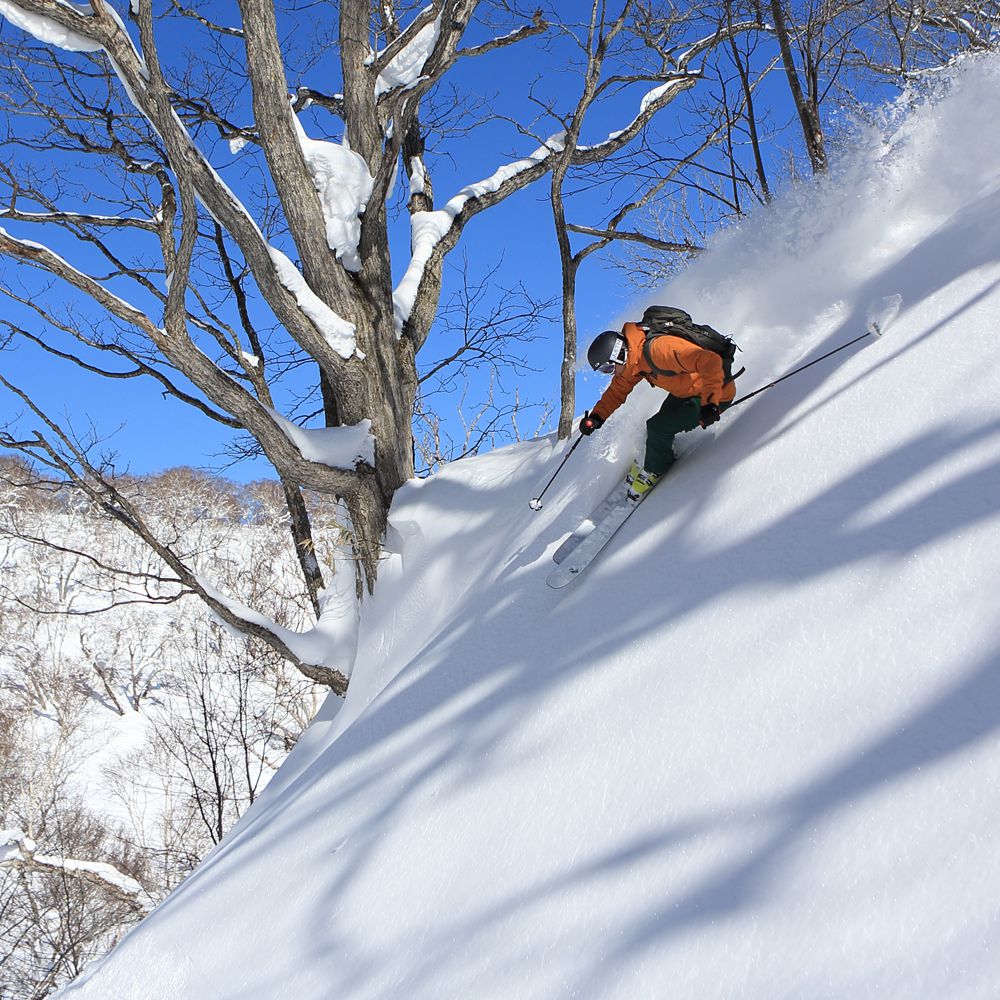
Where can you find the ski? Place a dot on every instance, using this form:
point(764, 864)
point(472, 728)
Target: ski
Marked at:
point(581, 556)
point(587, 525)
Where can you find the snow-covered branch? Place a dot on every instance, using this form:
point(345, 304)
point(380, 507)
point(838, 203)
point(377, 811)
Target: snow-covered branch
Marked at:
point(17, 850)
point(434, 233)
point(709, 42)
point(325, 652)
point(666, 246)
point(64, 27)
point(80, 219)
point(538, 26)
point(401, 63)
point(41, 256)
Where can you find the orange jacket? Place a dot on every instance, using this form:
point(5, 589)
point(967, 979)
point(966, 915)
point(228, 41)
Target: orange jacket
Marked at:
point(699, 372)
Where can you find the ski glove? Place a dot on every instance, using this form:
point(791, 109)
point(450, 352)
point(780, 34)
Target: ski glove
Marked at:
point(708, 415)
point(590, 423)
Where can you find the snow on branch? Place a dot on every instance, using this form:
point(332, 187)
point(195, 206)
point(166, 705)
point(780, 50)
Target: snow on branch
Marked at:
point(344, 185)
point(428, 47)
point(305, 97)
point(51, 31)
point(401, 64)
point(329, 647)
point(19, 850)
point(47, 259)
point(11, 846)
point(537, 26)
point(429, 229)
point(709, 42)
point(336, 447)
point(657, 98)
point(336, 331)
point(79, 219)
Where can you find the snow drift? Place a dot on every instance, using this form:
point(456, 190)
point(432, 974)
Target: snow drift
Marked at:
point(753, 752)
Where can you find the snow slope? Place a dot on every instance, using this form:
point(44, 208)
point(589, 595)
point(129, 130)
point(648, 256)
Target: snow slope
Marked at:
point(754, 751)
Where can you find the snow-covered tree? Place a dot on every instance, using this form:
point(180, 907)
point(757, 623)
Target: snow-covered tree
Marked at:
point(225, 293)
point(133, 731)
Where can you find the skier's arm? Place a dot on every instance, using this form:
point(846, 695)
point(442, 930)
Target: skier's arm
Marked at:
point(710, 375)
point(622, 383)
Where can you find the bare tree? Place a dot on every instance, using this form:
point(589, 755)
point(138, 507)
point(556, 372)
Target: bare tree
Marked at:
point(223, 710)
point(484, 329)
point(217, 291)
point(903, 39)
point(746, 115)
point(651, 28)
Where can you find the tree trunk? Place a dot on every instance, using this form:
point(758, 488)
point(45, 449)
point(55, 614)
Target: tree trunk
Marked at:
point(751, 116)
point(808, 113)
point(567, 375)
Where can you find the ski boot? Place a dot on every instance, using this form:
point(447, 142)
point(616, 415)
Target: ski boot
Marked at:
point(639, 482)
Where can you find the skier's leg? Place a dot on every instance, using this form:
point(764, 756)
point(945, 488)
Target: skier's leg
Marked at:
point(673, 417)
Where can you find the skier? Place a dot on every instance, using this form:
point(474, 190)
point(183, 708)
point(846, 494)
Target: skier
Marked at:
point(693, 377)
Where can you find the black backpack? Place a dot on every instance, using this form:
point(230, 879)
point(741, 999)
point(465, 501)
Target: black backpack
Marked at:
point(661, 321)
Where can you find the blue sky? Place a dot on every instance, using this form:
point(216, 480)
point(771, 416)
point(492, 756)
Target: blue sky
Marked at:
point(151, 432)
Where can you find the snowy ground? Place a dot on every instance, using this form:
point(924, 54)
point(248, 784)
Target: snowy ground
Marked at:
point(753, 753)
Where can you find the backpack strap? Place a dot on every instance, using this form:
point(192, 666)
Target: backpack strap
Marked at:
point(728, 374)
point(648, 355)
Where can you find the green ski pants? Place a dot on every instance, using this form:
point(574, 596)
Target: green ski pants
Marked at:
point(675, 416)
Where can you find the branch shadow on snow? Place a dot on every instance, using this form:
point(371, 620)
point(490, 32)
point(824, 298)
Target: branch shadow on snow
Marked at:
point(440, 724)
point(481, 691)
point(954, 721)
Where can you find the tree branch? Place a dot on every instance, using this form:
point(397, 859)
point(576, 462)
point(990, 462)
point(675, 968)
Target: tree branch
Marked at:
point(17, 850)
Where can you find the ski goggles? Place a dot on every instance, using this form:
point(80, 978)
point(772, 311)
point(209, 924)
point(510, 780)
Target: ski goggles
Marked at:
point(608, 367)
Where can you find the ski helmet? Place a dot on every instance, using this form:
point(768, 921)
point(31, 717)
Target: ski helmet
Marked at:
point(607, 350)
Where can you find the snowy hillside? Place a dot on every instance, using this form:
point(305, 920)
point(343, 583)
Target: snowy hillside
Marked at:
point(753, 752)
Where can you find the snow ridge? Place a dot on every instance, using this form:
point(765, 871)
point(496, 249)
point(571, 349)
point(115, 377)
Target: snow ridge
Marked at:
point(753, 753)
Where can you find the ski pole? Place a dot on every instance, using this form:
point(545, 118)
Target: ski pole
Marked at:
point(535, 503)
point(873, 329)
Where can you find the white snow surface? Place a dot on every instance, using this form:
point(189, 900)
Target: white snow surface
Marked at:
point(754, 751)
